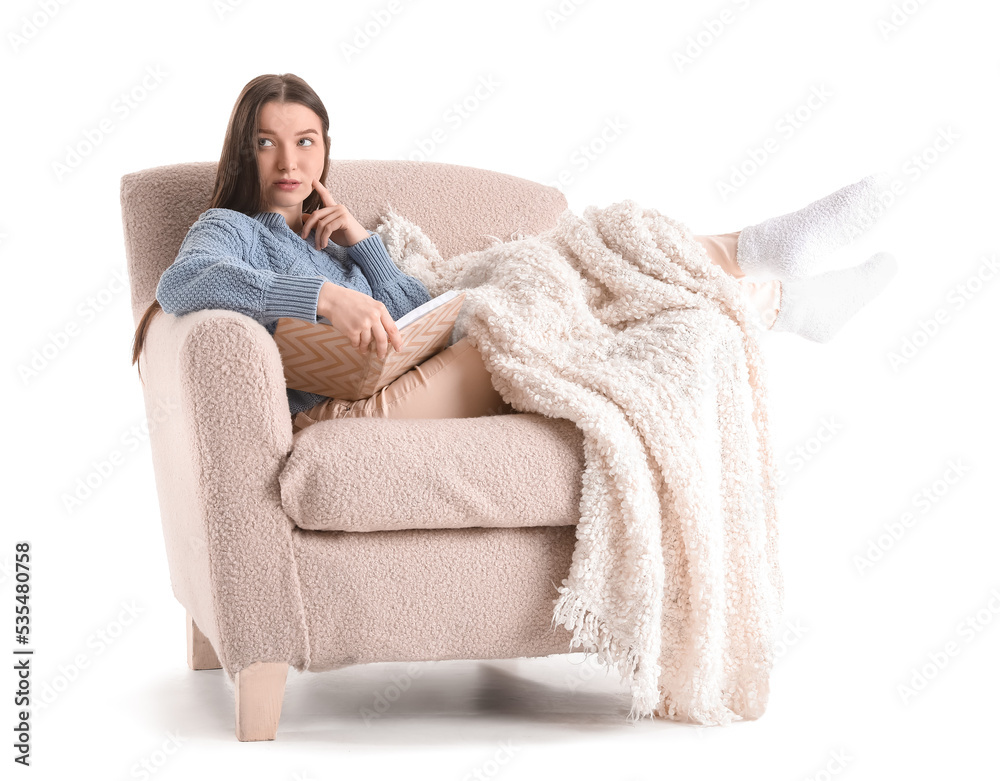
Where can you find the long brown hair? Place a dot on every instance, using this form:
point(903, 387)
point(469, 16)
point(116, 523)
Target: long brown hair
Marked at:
point(237, 179)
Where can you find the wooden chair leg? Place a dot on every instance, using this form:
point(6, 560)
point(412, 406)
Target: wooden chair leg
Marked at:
point(260, 688)
point(201, 655)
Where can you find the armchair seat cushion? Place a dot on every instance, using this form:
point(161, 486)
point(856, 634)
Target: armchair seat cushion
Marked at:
point(384, 474)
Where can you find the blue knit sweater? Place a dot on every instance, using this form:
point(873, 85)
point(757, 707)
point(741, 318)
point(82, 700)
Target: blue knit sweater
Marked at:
point(257, 265)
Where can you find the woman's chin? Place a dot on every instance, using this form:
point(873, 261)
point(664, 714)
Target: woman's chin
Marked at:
point(286, 203)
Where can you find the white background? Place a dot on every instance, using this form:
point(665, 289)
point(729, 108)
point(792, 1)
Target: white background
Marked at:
point(854, 636)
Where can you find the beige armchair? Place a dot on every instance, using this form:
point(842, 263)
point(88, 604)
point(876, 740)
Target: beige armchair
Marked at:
point(358, 540)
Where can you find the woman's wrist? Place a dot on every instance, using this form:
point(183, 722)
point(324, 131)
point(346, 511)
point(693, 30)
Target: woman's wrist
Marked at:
point(327, 299)
point(361, 236)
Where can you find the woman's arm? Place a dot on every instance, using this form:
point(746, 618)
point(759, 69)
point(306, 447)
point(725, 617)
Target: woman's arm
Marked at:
point(212, 271)
point(398, 291)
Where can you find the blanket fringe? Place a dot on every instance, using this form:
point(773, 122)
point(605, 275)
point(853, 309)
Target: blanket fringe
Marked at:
point(590, 631)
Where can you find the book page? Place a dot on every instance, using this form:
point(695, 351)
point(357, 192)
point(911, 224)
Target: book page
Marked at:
point(415, 314)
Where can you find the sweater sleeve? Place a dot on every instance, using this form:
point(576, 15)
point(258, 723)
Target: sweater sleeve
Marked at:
point(399, 292)
point(214, 270)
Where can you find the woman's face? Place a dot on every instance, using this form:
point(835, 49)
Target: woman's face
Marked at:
point(289, 147)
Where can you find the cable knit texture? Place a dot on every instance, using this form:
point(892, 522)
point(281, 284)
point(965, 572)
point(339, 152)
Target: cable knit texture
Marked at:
point(257, 265)
point(619, 321)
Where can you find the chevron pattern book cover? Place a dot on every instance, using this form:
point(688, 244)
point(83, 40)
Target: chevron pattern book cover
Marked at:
point(320, 359)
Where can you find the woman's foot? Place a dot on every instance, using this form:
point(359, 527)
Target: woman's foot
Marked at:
point(817, 307)
point(789, 246)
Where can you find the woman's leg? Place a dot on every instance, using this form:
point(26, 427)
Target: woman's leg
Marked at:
point(454, 383)
point(812, 307)
point(765, 296)
point(721, 250)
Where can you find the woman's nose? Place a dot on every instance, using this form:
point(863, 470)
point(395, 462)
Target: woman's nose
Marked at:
point(286, 161)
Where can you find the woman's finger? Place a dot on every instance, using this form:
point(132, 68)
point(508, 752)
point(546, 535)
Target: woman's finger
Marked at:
point(325, 230)
point(310, 222)
point(323, 236)
point(318, 216)
point(381, 342)
point(324, 194)
point(366, 339)
point(392, 332)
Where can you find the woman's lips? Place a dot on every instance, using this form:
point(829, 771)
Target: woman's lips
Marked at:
point(287, 185)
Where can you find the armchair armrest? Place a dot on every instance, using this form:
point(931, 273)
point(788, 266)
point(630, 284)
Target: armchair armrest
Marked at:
point(220, 432)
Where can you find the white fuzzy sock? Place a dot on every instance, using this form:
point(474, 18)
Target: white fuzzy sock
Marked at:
point(790, 246)
point(816, 307)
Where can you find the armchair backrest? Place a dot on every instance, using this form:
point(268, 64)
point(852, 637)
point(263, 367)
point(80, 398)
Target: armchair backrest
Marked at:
point(459, 207)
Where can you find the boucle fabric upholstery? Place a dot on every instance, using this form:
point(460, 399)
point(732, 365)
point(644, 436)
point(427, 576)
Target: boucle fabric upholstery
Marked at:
point(428, 594)
point(259, 587)
point(219, 433)
point(440, 474)
point(618, 320)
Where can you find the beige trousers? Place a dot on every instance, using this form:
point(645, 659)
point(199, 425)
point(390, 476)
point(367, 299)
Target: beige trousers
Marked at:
point(455, 383)
point(765, 296)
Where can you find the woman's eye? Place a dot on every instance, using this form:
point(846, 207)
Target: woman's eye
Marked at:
point(269, 141)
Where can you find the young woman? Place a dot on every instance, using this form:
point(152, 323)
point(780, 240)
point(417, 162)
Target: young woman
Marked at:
point(273, 242)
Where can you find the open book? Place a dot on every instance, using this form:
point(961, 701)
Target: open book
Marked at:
point(320, 359)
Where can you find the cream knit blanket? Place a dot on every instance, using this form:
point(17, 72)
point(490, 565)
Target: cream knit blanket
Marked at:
point(619, 321)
